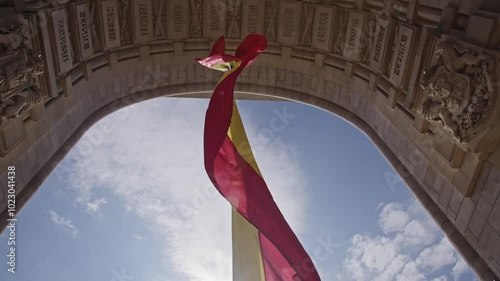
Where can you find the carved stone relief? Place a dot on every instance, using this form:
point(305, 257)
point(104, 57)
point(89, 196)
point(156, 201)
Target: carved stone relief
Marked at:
point(353, 43)
point(340, 25)
point(196, 15)
point(125, 21)
point(80, 33)
point(322, 36)
point(234, 19)
point(459, 90)
point(252, 14)
point(159, 19)
point(18, 86)
point(96, 43)
point(306, 24)
point(178, 14)
point(61, 42)
point(215, 19)
point(368, 38)
point(12, 33)
point(271, 20)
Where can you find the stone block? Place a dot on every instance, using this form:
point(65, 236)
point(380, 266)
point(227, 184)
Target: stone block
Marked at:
point(455, 202)
point(445, 194)
point(479, 30)
point(487, 241)
point(29, 165)
point(495, 257)
point(12, 135)
point(481, 181)
point(462, 183)
point(479, 217)
point(464, 214)
point(491, 186)
point(494, 218)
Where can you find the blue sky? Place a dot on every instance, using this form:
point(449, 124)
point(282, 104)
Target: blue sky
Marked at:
point(131, 201)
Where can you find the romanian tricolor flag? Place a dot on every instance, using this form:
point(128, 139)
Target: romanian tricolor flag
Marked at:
point(264, 246)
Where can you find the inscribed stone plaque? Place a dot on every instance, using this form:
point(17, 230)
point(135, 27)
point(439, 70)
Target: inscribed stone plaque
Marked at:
point(401, 54)
point(142, 11)
point(379, 49)
point(80, 27)
point(354, 35)
point(110, 25)
point(178, 14)
point(253, 13)
point(289, 22)
point(61, 40)
point(215, 18)
point(322, 33)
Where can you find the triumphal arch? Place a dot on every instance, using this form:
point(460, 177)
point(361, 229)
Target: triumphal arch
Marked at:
point(420, 78)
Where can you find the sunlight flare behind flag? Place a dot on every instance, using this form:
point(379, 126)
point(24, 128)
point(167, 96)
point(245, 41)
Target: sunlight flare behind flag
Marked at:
point(264, 246)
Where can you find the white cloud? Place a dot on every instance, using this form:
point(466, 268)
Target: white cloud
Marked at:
point(459, 269)
point(410, 273)
point(408, 250)
point(393, 218)
point(441, 278)
point(150, 155)
point(63, 222)
point(437, 256)
point(138, 237)
point(94, 207)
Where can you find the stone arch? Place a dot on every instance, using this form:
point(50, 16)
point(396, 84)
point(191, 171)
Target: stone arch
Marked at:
point(455, 182)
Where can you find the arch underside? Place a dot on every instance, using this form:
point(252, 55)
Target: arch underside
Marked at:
point(370, 79)
point(111, 88)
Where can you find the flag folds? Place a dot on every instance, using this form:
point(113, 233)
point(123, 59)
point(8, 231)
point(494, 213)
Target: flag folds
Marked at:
point(264, 246)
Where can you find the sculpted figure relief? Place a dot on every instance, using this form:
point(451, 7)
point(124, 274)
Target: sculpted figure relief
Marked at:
point(159, 20)
point(234, 19)
point(307, 22)
point(368, 38)
point(196, 13)
point(458, 89)
point(13, 32)
point(270, 20)
point(125, 21)
point(18, 88)
point(339, 29)
point(93, 31)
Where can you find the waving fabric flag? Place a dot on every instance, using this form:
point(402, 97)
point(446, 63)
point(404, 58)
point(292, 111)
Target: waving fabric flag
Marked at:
point(264, 246)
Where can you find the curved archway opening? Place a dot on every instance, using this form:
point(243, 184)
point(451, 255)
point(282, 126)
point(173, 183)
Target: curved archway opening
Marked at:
point(126, 163)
